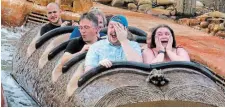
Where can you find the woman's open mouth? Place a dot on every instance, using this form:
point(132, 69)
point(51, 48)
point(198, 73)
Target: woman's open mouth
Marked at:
point(164, 42)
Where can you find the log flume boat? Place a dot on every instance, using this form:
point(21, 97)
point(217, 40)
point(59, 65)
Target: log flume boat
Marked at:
point(125, 83)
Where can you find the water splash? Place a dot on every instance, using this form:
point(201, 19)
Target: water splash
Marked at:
point(15, 95)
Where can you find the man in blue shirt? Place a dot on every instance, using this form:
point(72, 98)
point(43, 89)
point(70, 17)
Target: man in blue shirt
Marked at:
point(115, 48)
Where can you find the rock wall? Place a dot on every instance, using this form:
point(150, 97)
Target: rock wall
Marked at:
point(220, 5)
point(144, 6)
point(14, 12)
point(212, 23)
point(217, 5)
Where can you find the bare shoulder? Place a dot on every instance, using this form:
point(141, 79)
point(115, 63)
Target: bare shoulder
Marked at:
point(148, 55)
point(147, 51)
point(183, 53)
point(181, 50)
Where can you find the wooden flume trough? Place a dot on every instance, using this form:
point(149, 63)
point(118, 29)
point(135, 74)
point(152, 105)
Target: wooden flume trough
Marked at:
point(124, 84)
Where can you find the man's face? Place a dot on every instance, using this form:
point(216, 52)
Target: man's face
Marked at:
point(53, 13)
point(88, 31)
point(112, 33)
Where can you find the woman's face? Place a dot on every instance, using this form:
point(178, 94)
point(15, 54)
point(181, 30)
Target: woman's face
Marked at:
point(100, 22)
point(163, 35)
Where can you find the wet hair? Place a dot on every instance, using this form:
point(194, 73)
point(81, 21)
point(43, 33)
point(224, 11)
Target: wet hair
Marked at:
point(91, 17)
point(153, 45)
point(97, 11)
point(151, 29)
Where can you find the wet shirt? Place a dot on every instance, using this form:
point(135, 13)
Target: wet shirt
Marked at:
point(48, 27)
point(75, 45)
point(105, 50)
point(76, 33)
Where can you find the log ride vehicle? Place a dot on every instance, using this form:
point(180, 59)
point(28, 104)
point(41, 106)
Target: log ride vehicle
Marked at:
point(124, 84)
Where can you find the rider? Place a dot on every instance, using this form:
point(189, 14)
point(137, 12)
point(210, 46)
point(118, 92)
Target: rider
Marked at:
point(163, 47)
point(102, 22)
point(116, 47)
point(88, 26)
point(54, 17)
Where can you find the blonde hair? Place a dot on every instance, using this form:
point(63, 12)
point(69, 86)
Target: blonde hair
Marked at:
point(97, 11)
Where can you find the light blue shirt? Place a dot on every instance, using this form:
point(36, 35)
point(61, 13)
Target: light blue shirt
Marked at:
point(103, 49)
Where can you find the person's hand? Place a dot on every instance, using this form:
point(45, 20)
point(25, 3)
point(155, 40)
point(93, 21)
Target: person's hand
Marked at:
point(106, 63)
point(121, 32)
point(65, 23)
point(169, 44)
point(85, 48)
point(74, 23)
point(159, 45)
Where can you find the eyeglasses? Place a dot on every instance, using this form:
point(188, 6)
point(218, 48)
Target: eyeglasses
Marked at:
point(84, 27)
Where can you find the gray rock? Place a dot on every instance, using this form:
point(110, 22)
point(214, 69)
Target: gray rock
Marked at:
point(132, 7)
point(144, 8)
point(129, 1)
point(141, 2)
point(117, 3)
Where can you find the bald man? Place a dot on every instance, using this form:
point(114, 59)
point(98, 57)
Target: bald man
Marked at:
point(54, 17)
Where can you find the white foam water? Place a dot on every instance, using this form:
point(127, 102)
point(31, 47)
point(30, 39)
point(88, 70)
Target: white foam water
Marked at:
point(15, 95)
